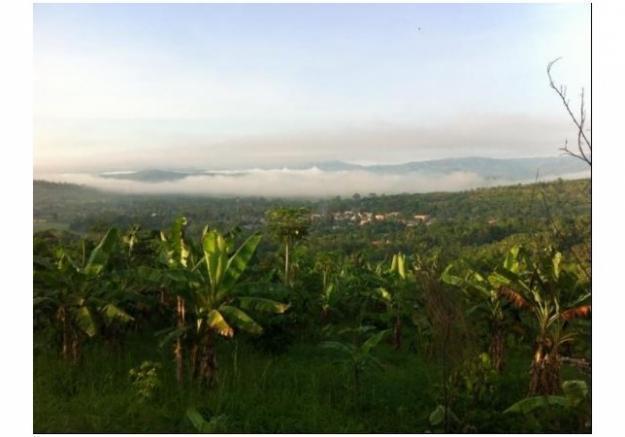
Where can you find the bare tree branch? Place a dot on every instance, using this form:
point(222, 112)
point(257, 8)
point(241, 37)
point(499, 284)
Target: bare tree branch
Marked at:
point(584, 146)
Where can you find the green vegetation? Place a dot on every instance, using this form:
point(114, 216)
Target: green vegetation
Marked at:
point(441, 312)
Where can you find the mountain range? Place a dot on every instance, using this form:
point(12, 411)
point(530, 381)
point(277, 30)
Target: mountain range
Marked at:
point(510, 169)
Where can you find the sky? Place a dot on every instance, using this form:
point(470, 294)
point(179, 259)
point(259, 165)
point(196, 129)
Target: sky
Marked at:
point(246, 86)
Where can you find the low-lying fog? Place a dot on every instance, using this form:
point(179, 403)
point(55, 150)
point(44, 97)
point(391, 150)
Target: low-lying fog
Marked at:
point(311, 182)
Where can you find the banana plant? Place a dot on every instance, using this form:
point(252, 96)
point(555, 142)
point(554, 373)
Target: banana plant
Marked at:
point(555, 294)
point(394, 293)
point(328, 297)
point(174, 257)
point(219, 307)
point(485, 300)
point(358, 358)
point(78, 294)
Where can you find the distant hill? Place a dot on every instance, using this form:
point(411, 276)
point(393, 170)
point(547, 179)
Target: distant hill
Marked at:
point(42, 190)
point(154, 175)
point(513, 169)
point(489, 168)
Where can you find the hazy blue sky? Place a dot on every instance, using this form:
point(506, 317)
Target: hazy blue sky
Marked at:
point(243, 85)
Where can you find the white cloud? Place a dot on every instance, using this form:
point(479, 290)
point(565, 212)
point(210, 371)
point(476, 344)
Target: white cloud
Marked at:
point(287, 183)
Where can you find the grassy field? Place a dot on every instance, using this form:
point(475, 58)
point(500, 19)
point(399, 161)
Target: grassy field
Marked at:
point(303, 390)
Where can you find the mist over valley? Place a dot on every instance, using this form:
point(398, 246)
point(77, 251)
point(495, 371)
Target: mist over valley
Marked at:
point(332, 178)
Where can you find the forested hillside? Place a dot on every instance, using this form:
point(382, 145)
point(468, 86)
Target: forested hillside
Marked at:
point(454, 312)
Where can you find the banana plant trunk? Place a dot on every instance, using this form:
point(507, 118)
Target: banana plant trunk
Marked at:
point(178, 350)
point(194, 361)
point(75, 343)
point(207, 361)
point(65, 347)
point(497, 348)
point(325, 315)
point(544, 371)
point(397, 333)
point(286, 262)
point(70, 348)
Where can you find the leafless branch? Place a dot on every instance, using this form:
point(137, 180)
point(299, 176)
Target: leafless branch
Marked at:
point(584, 146)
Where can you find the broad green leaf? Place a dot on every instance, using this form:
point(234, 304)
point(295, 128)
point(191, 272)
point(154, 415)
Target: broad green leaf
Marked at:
point(214, 247)
point(575, 390)
point(449, 278)
point(401, 265)
point(394, 263)
point(437, 416)
point(338, 346)
point(497, 279)
point(528, 405)
point(262, 304)
point(212, 426)
point(329, 290)
point(240, 319)
point(85, 321)
point(171, 335)
point(384, 294)
point(113, 312)
point(180, 251)
point(198, 421)
point(209, 241)
point(511, 262)
point(398, 265)
point(100, 254)
point(64, 261)
point(475, 277)
point(239, 260)
point(373, 341)
point(216, 322)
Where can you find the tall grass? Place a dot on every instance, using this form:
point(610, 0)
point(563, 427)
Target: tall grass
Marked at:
point(299, 391)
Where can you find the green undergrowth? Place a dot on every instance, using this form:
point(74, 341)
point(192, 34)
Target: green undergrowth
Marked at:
point(303, 390)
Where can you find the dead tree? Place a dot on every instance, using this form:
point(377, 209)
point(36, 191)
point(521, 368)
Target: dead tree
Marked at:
point(584, 145)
